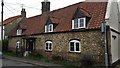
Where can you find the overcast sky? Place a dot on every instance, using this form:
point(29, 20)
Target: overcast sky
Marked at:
point(33, 7)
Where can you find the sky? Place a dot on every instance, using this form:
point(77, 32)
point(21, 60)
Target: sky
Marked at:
point(33, 7)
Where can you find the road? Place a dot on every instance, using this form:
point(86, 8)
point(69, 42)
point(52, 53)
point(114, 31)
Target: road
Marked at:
point(7, 62)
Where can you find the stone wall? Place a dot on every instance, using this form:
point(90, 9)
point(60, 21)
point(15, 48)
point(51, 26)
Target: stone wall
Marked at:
point(92, 43)
point(12, 43)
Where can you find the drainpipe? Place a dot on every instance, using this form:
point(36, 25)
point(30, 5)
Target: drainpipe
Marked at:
point(104, 30)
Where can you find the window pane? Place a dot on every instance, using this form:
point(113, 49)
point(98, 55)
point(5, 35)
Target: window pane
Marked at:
point(46, 46)
point(76, 23)
point(71, 46)
point(77, 47)
point(81, 22)
point(50, 46)
point(19, 31)
point(50, 27)
point(18, 45)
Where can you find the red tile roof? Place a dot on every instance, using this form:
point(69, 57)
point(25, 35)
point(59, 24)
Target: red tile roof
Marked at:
point(54, 20)
point(63, 17)
point(10, 19)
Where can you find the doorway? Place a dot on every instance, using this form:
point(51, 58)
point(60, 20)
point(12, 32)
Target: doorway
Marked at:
point(30, 46)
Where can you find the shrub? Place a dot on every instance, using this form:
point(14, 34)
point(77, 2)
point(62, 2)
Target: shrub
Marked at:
point(57, 58)
point(38, 56)
point(35, 56)
point(5, 45)
point(86, 60)
point(10, 53)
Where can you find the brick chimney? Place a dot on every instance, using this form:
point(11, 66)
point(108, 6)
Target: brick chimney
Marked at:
point(45, 6)
point(23, 13)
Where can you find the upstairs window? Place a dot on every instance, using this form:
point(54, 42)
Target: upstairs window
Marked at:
point(49, 28)
point(79, 23)
point(74, 46)
point(48, 46)
point(19, 31)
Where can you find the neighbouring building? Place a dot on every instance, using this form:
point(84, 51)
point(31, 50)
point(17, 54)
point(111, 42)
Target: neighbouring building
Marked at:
point(71, 32)
point(11, 23)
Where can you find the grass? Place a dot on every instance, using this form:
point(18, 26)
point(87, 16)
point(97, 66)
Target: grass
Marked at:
point(66, 63)
point(39, 57)
point(9, 53)
point(35, 57)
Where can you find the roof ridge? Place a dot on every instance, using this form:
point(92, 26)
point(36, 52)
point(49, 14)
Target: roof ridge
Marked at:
point(56, 9)
point(13, 18)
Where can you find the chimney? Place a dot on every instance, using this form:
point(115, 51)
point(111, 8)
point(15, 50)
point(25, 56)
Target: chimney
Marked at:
point(23, 13)
point(45, 6)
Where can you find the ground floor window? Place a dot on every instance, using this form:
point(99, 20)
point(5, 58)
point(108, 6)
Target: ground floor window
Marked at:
point(74, 46)
point(18, 44)
point(48, 46)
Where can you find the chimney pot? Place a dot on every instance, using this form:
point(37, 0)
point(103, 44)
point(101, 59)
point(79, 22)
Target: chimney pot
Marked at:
point(23, 13)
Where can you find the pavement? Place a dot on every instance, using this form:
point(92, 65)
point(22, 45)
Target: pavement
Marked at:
point(9, 63)
point(30, 61)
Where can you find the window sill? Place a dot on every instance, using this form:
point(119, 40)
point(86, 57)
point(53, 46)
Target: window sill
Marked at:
point(19, 34)
point(82, 27)
point(48, 32)
point(78, 28)
point(74, 52)
point(48, 50)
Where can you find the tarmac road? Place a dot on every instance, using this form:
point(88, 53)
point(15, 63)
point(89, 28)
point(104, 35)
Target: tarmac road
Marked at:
point(7, 62)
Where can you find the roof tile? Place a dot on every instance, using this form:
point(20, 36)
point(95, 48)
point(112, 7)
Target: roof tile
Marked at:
point(63, 17)
point(10, 19)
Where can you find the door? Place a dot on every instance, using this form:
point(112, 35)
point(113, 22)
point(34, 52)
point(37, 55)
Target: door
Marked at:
point(30, 45)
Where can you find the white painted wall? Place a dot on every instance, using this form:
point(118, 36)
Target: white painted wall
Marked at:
point(119, 29)
point(113, 21)
point(119, 46)
point(114, 47)
point(113, 16)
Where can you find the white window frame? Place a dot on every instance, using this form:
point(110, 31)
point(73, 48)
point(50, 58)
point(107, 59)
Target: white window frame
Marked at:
point(18, 44)
point(75, 41)
point(19, 31)
point(49, 42)
point(47, 28)
point(84, 26)
point(79, 23)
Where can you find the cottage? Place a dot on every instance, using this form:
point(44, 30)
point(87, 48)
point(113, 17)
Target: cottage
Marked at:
point(72, 32)
point(11, 23)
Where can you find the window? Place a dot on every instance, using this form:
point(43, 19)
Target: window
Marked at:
point(18, 44)
point(48, 46)
point(78, 23)
point(19, 31)
point(74, 46)
point(49, 28)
